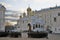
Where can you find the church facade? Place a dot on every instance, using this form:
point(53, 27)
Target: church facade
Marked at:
point(49, 17)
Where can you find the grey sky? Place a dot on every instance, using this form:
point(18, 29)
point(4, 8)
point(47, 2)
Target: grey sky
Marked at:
point(21, 5)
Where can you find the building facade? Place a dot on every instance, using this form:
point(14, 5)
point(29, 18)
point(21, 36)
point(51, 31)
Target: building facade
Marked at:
point(30, 18)
point(2, 18)
point(50, 16)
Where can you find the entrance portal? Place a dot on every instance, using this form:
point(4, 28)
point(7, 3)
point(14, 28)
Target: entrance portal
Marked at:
point(29, 25)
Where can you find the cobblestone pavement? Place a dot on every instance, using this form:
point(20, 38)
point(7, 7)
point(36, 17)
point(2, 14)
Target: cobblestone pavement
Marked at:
point(51, 37)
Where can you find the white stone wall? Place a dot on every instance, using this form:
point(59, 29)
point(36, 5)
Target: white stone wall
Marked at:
point(48, 16)
point(23, 24)
point(55, 25)
point(2, 18)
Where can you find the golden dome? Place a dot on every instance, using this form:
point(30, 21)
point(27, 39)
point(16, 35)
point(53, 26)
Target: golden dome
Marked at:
point(28, 9)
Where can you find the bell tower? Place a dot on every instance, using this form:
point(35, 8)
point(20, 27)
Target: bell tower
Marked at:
point(29, 11)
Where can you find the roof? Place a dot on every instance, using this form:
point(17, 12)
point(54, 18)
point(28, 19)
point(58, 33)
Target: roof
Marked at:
point(34, 20)
point(46, 9)
point(51, 8)
point(24, 18)
point(37, 20)
point(1, 6)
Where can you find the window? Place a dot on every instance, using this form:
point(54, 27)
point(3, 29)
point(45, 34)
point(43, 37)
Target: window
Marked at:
point(54, 19)
point(39, 25)
point(58, 14)
point(36, 26)
point(33, 26)
point(23, 21)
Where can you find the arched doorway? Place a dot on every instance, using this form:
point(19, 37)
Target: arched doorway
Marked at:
point(29, 25)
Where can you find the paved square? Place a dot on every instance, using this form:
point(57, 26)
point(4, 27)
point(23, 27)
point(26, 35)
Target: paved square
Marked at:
point(51, 37)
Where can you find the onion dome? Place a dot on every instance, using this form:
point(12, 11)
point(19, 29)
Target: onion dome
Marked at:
point(28, 9)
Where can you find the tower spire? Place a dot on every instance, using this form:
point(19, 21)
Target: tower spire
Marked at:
point(28, 10)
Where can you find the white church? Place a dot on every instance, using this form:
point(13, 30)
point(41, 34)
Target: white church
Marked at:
point(49, 18)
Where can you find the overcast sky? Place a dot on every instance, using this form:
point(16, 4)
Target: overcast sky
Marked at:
point(21, 5)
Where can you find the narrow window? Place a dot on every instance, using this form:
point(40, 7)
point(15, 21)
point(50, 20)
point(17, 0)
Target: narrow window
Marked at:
point(39, 25)
point(33, 26)
point(54, 19)
point(36, 25)
point(23, 21)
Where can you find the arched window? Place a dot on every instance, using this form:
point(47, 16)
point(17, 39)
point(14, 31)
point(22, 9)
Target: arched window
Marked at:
point(23, 21)
point(54, 19)
point(36, 26)
point(39, 25)
point(29, 26)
